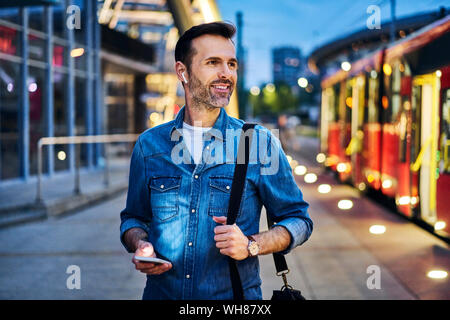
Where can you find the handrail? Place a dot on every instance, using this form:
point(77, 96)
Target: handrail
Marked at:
point(418, 163)
point(446, 164)
point(78, 140)
point(355, 143)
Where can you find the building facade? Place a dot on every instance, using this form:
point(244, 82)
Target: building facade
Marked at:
point(286, 65)
point(50, 85)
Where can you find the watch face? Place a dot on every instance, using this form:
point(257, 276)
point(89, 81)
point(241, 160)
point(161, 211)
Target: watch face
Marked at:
point(253, 248)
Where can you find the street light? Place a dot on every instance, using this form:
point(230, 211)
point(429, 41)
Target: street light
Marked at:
point(255, 91)
point(77, 52)
point(302, 82)
point(346, 66)
point(270, 87)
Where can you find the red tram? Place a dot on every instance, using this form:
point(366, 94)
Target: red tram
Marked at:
point(385, 124)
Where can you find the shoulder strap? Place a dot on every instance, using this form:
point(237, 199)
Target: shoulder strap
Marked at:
point(237, 189)
point(240, 172)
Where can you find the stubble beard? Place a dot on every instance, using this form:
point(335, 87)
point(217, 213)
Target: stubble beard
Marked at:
point(202, 97)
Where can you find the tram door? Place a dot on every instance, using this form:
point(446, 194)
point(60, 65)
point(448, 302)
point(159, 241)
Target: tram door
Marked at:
point(425, 104)
point(354, 149)
point(443, 180)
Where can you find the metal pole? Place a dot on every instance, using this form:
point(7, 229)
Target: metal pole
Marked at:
point(77, 189)
point(49, 101)
point(39, 173)
point(89, 99)
point(24, 117)
point(70, 94)
point(393, 31)
point(106, 182)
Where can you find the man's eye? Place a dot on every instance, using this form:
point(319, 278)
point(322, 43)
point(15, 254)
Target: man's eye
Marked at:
point(233, 65)
point(212, 62)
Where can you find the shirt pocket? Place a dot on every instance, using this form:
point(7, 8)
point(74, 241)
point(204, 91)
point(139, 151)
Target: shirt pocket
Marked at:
point(164, 197)
point(219, 195)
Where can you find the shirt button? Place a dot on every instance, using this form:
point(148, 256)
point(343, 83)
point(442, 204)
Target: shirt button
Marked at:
point(193, 210)
point(190, 244)
point(188, 276)
point(196, 176)
point(207, 147)
point(162, 186)
point(228, 187)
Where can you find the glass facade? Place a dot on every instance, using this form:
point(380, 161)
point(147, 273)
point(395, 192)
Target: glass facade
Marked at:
point(49, 47)
point(9, 119)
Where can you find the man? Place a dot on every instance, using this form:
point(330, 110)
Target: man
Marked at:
point(176, 210)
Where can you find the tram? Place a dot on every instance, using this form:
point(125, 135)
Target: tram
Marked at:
point(385, 124)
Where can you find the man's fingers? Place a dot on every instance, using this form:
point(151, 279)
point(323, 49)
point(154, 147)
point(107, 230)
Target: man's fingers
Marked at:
point(223, 229)
point(222, 237)
point(221, 219)
point(156, 269)
point(222, 244)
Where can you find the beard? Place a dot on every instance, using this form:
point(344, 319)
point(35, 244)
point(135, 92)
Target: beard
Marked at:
point(202, 94)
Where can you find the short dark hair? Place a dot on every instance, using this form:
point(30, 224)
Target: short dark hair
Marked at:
point(184, 51)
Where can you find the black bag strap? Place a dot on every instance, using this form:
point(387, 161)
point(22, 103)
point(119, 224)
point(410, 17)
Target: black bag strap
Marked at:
point(237, 189)
point(240, 172)
point(278, 258)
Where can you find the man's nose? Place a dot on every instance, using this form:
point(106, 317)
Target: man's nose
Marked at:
point(225, 72)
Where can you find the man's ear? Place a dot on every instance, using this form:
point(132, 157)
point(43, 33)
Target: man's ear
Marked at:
point(180, 69)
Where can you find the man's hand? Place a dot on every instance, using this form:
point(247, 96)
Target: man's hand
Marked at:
point(230, 239)
point(145, 249)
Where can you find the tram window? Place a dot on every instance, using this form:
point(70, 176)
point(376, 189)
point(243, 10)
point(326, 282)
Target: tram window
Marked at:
point(348, 101)
point(371, 114)
point(395, 94)
point(415, 121)
point(334, 104)
point(444, 164)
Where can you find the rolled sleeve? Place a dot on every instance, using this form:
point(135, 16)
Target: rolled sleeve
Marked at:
point(282, 197)
point(299, 231)
point(129, 224)
point(137, 211)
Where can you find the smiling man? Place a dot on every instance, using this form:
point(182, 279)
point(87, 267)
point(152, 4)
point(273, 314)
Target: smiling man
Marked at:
point(177, 210)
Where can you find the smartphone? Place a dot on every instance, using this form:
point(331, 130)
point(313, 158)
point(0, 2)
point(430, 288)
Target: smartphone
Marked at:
point(150, 259)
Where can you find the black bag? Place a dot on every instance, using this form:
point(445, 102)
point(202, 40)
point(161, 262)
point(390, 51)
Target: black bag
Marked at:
point(286, 292)
point(237, 189)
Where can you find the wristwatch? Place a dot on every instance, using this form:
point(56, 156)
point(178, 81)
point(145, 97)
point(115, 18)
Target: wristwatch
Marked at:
point(253, 247)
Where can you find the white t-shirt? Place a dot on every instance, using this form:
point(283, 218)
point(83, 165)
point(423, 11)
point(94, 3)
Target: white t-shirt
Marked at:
point(193, 138)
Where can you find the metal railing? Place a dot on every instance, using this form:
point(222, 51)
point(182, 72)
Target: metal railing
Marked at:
point(78, 140)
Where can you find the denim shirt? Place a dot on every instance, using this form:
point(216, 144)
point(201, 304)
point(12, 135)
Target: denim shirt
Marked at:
point(173, 200)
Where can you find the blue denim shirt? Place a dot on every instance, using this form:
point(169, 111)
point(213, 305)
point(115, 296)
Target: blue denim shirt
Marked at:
point(174, 200)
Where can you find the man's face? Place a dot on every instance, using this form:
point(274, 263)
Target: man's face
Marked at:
point(213, 71)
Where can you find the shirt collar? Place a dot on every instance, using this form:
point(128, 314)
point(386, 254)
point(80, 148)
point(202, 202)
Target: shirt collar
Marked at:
point(220, 124)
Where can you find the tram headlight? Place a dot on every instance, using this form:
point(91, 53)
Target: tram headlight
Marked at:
point(439, 225)
point(387, 184)
point(404, 200)
point(341, 167)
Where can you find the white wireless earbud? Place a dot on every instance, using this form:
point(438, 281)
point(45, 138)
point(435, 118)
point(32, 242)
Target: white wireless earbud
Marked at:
point(184, 78)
